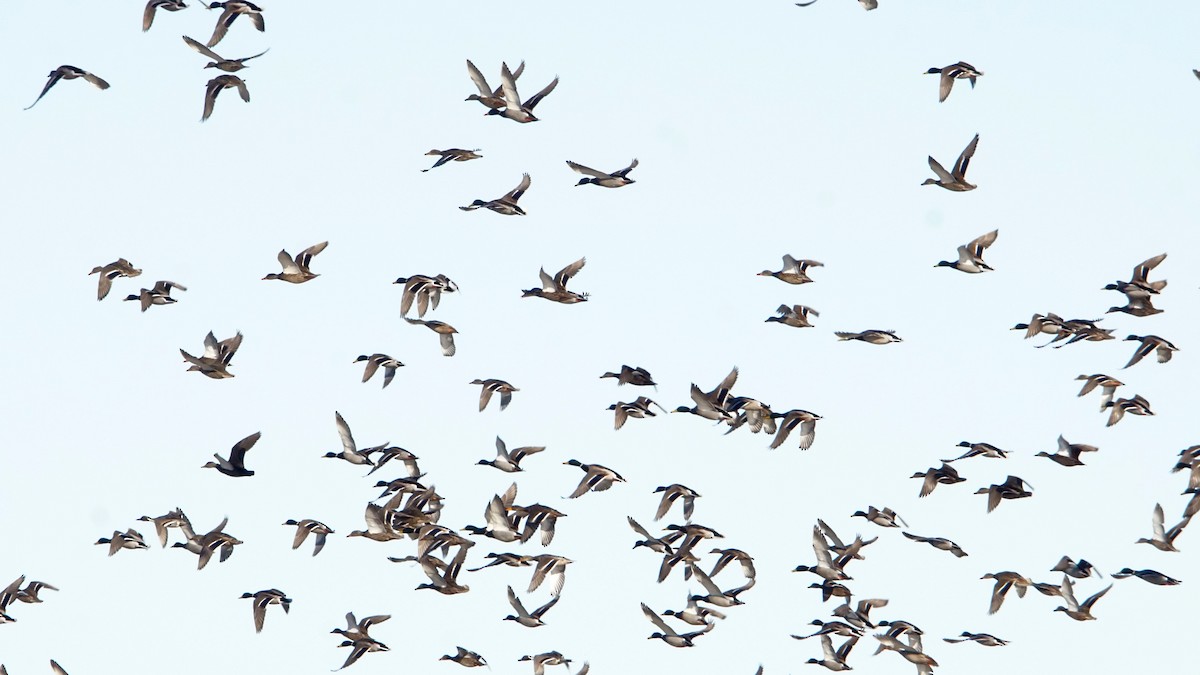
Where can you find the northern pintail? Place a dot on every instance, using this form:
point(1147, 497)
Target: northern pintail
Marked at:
point(978, 450)
point(860, 615)
point(120, 268)
point(232, 10)
point(465, 657)
point(159, 295)
point(270, 596)
point(494, 386)
point(795, 316)
point(1004, 582)
point(1134, 406)
point(803, 420)
point(538, 517)
point(1152, 576)
point(555, 288)
point(350, 451)
point(673, 492)
point(794, 271)
point(426, 290)
point(514, 108)
point(360, 647)
point(173, 518)
point(490, 98)
point(68, 73)
point(954, 180)
point(506, 205)
point(1139, 284)
point(507, 559)
point(831, 628)
point(1107, 385)
point(129, 539)
point(359, 629)
point(1137, 307)
point(1075, 609)
point(872, 336)
point(443, 576)
point(498, 524)
point(615, 179)
point(638, 377)
point(377, 361)
point(668, 634)
point(525, 617)
point(510, 461)
point(1150, 343)
point(1012, 488)
point(154, 5)
point(1068, 453)
point(444, 330)
point(213, 88)
point(656, 544)
point(970, 255)
point(827, 567)
point(452, 155)
point(1163, 539)
point(694, 614)
point(884, 517)
point(1080, 569)
point(955, 71)
point(215, 360)
point(982, 638)
point(639, 408)
point(207, 544)
point(295, 270)
point(306, 527)
point(236, 464)
point(596, 478)
point(835, 660)
point(218, 61)
point(540, 661)
point(866, 4)
point(940, 543)
point(933, 475)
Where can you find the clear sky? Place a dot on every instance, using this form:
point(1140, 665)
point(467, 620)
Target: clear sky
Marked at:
point(762, 129)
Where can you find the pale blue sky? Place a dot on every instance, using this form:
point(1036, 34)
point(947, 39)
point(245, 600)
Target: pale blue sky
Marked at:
point(762, 129)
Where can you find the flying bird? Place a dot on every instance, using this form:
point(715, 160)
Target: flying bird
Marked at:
point(235, 466)
point(506, 205)
point(68, 73)
point(555, 288)
point(215, 86)
point(219, 62)
point(955, 71)
point(970, 255)
point(153, 5)
point(954, 180)
point(615, 179)
point(295, 270)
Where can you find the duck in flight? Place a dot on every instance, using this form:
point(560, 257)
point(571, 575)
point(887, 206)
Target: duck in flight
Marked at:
point(236, 464)
point(970, 255)
point(219, 62)
point(955, 71)
point(954, 180)
point(615, 179)
point(506, 205)
point(69, 73)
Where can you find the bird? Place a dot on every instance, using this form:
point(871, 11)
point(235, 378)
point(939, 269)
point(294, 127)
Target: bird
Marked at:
point(509, 461)
point(129, 539)
point(1068, 453)
point(1152, 576)
point(1164, 540)
point(119, 268)
point(795, 316)
point(295, 270)
point(885, 517)
point(215, 86)
point(499, 525)
point(639, 408)
point(219, 62)
point(978, 450)
point(377, 361)
point(174, 518)
point(1150, 343)
point(835, 660)
point(153, 5)
point(506, 205)
point(232, 10)
point(444, 330)
point(492, 386)
point(636, 376)
point(350, 451)
point(1004, 582)
point(523, 616)
point(215, 360)
point(555, 288)
point(596, 478)
point(544, 518)
point(360, 647)
point(803, 420)
point(615, 179)
point(1139, 284)
point(970, 255)
point(794, 271)
point(939, 543)
point(982, 638)
point(672, 493)
point(932, 476)
point(452, 155)
point(306, 527)
point(159, 295)
point(1108, 385)
point(515, 109)
point(695, 613)
point(1079, 570)
point(1012, 488)
point(956, 179)
point(955, 71)
point(490, 98)
point(872, 336)
point(425, 290)
point(209, 543)
point(270, 596)
point(235, 466)
point(540, 661)
point(1134, 406)
point(465, 657)
point(866, 4)
point(69, 73)
point(1075, 610)
point(668, 634)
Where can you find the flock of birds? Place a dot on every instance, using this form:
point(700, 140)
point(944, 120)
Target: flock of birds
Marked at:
point(409, 508)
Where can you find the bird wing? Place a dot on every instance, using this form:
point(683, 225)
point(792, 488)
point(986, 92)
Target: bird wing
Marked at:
point(516, 192)
point(537, 613)
point(946, 82)
point(304, 258)
point(479, 80)
point(565, 274)
point(941, 172)
point(532, 101)
point(960, 166)
point(344, 432)
point(980, 243)
point(512, 99)
point(447, 341)
point(1142, 271)
point(516, 603)
point(202, 49)
point(237, 456)
point(623, 172)
point(54, 78)
point(579, 168)
point(657, 621)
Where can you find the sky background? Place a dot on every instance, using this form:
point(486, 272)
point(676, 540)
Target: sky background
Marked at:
point(762, 129)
